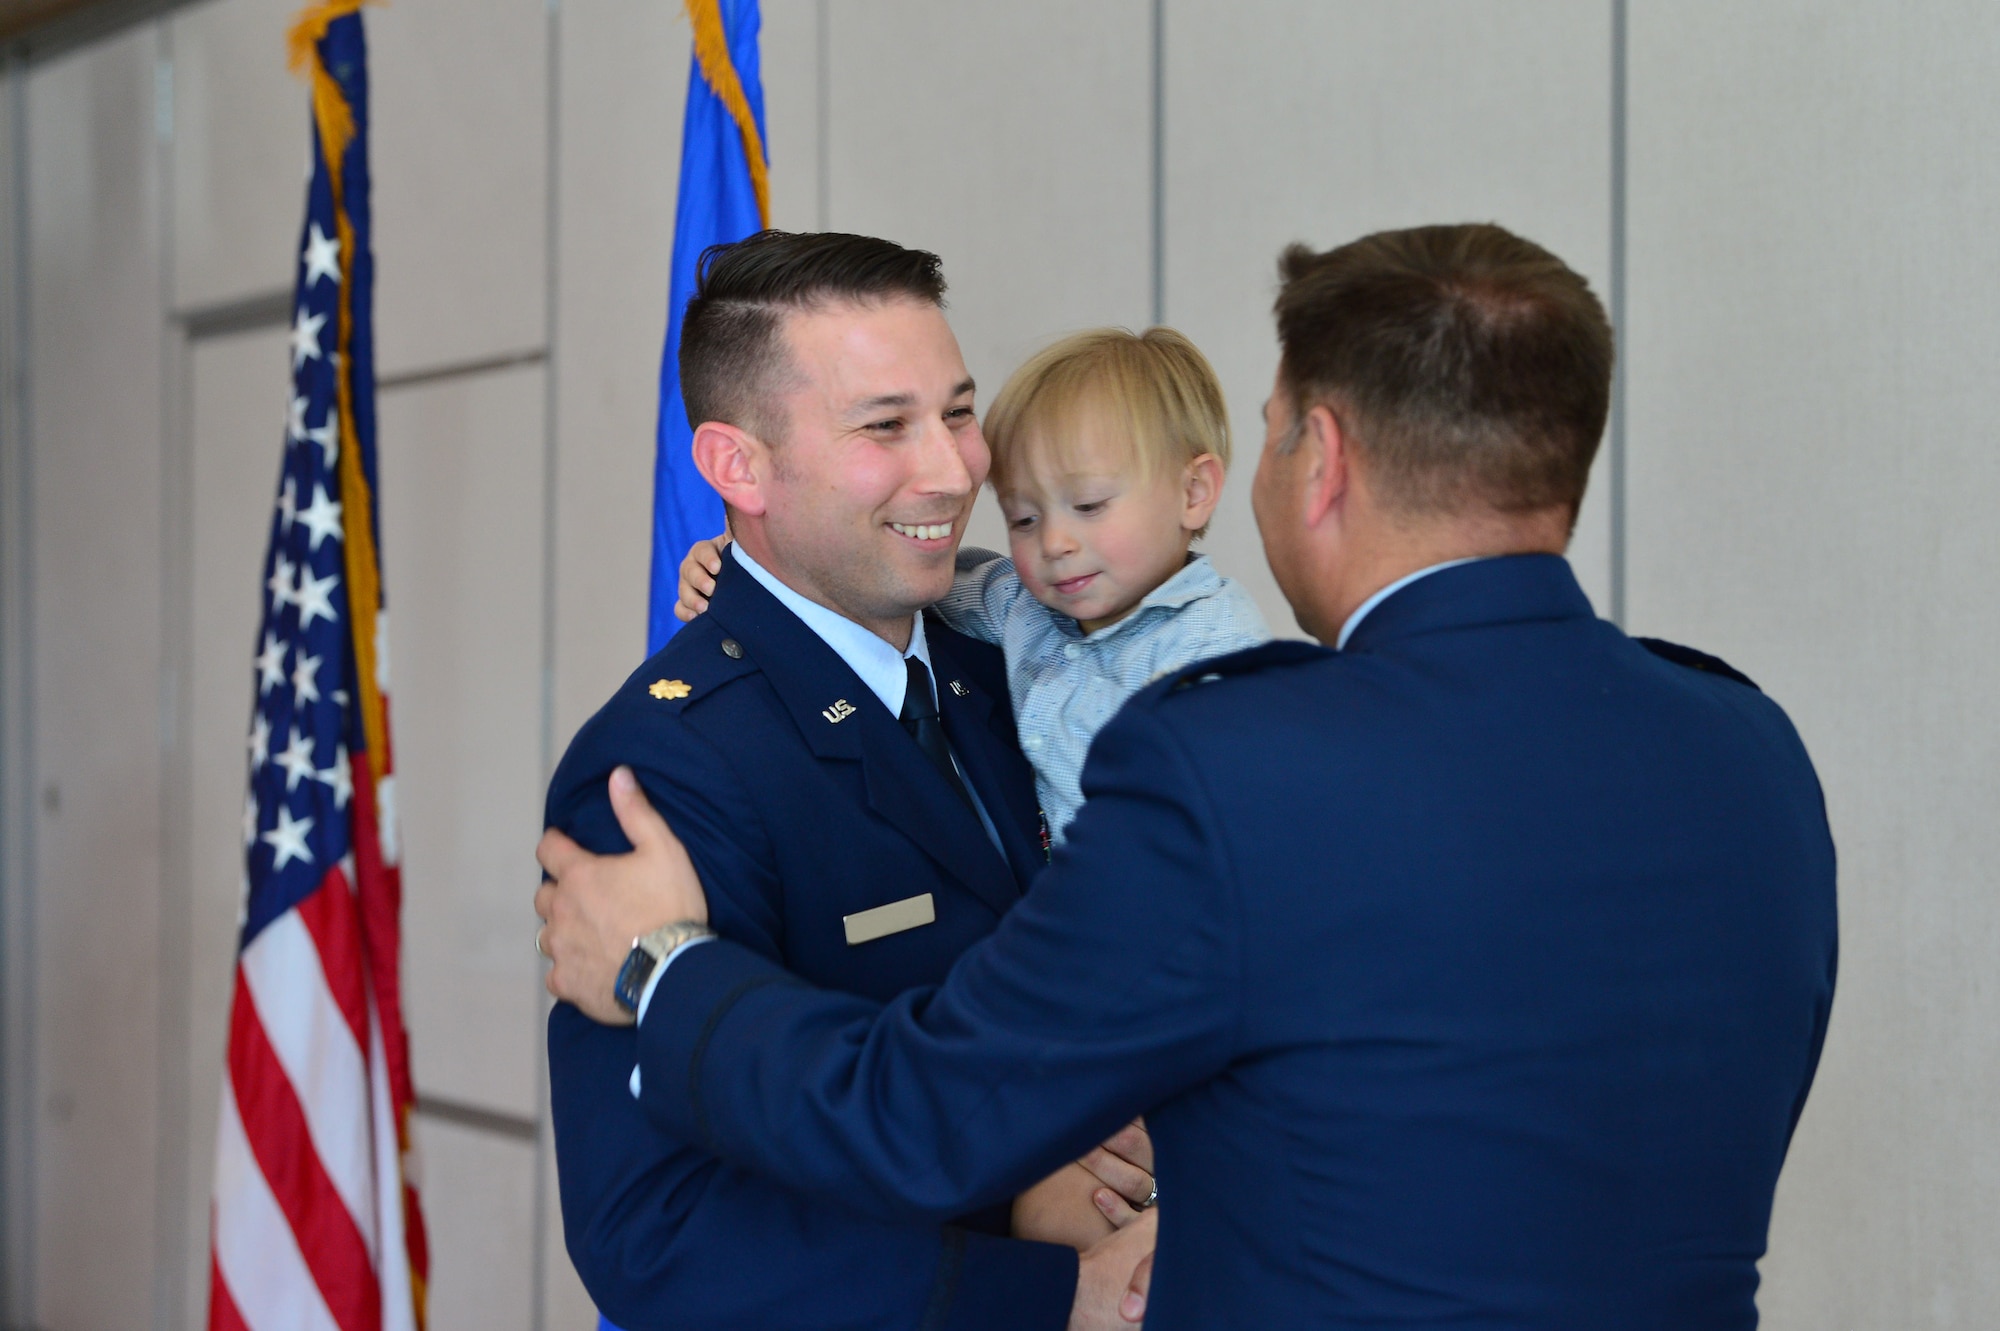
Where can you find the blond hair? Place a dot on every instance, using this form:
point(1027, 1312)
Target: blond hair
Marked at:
point(1155, 389)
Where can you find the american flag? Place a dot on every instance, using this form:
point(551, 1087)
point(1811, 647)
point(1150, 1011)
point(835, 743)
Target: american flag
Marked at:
point(316, 1223)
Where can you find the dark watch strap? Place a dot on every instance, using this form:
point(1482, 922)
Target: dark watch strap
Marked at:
point(632, 977)
point(648, 953)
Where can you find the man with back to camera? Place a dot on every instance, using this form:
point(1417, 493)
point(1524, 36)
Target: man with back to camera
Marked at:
point(848, 767)
point(1513, 936)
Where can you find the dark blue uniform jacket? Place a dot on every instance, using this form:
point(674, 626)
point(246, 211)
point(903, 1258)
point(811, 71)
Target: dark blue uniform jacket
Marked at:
point(805, 819)
point(1473, 976)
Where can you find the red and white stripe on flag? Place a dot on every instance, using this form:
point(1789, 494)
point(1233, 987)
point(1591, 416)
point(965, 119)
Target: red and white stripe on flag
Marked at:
point(308, 1194)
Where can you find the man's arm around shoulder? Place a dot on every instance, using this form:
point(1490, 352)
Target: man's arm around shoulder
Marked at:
point(662, 1233)
point(1114, 984)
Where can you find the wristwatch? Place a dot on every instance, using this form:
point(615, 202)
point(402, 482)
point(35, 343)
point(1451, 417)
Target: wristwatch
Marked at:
point(646, 955)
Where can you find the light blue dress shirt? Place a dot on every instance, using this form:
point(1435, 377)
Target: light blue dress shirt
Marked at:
point(1067, 683)
point(867, 653)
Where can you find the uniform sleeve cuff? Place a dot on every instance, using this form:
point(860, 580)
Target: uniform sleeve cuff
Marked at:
point(988, 1283)
point(1006, 1284)
point(652, 983)
point(689, 1000)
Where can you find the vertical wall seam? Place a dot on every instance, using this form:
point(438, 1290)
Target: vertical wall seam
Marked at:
point(1158, 126)
point(538, 1240)
point(11, 803)
point(18, 903)
point(1621, 371)
point(823, 96)
point(176, 659)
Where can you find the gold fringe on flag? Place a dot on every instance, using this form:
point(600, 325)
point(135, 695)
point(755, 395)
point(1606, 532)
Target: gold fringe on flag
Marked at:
point(718, 71)
point(335, 123)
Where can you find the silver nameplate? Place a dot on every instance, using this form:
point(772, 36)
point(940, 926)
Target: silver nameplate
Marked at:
point(909, 913)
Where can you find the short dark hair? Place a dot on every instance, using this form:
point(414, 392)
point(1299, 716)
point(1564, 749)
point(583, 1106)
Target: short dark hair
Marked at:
point(1469, 366)
point(732, 353)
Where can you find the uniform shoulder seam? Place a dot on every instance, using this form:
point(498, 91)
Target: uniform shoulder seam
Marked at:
point(1274, 654)
point(1694, 659)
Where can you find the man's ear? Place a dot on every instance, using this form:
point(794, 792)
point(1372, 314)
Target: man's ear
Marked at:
point(1201, 491)
point(1326, 468)
point(735, 463)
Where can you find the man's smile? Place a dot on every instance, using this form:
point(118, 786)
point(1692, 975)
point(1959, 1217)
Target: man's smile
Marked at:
point(923, 533)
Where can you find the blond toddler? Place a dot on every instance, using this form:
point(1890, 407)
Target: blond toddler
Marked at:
point(1109, 450)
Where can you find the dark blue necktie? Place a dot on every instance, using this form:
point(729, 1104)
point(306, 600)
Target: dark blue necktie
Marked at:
point(920, 718)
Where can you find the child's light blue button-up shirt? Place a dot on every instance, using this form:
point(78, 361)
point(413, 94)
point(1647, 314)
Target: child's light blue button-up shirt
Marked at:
point(1065, 683)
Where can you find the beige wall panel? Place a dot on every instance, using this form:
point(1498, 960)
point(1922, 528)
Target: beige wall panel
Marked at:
point(1014, 140)
point(789, 50)
point(1813, 299)
point(623, 84)
point(236, 396)
point(459, 146)
point(479, 1204)
point(94, 363)
point(1319, 121)
point(462, 524)
point(240, 151)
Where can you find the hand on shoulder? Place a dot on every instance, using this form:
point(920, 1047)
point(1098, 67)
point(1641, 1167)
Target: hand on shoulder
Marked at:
point(698, 574)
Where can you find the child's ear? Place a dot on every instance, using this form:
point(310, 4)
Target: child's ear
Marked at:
point(1201, 491)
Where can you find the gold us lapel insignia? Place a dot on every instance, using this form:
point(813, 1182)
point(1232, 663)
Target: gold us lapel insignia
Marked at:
point(840, 711)
point(669, 689)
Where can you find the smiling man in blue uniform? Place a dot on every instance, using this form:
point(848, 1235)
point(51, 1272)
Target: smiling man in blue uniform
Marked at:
point(848, 768)
point(1513, 937)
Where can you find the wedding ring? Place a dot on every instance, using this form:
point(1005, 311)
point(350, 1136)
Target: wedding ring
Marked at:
point(540, 951)
point(1152, 1194)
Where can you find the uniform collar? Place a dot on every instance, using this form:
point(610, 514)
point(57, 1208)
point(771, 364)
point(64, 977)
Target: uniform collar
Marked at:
point(820, 686)
point(866, 652)
point(1503, 589)
point(1361, 612)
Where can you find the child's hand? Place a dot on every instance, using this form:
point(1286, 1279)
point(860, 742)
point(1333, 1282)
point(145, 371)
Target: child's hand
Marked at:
point(698, 570)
